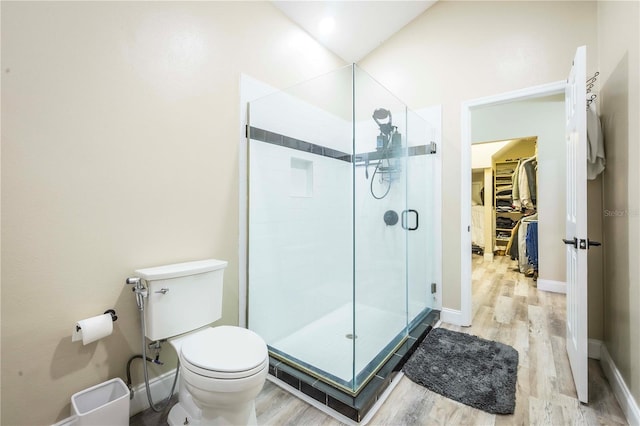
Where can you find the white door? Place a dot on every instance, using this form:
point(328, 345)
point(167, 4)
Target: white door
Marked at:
point(576, 239)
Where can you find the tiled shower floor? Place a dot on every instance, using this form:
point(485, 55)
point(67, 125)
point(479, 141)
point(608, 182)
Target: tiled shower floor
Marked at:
point(335, 400)
point(324, 343)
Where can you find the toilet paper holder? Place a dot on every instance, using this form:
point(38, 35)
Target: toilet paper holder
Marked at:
point(111, 312)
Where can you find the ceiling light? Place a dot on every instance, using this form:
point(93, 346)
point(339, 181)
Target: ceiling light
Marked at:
point(326, 25)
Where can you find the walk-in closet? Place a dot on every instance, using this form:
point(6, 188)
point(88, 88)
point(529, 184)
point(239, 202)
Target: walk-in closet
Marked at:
point(504, 202)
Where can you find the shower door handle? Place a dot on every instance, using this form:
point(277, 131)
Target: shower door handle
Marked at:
point(405, 213)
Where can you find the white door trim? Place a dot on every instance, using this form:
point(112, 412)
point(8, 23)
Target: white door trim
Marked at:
point(465, 181)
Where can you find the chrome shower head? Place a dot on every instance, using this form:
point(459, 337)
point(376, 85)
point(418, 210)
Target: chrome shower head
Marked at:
point(381, 114)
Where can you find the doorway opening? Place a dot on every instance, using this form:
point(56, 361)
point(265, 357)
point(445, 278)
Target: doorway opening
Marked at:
point(504, 200)
point(493, 118)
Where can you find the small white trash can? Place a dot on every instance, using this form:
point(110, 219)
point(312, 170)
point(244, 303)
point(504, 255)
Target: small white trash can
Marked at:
point(106, 404)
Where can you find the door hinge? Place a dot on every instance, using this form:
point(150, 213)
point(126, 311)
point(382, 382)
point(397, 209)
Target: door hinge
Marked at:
point(433, 288)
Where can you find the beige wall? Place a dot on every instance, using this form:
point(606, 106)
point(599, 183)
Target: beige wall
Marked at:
point(119, 151)
point(458, 51)
point(618, 39)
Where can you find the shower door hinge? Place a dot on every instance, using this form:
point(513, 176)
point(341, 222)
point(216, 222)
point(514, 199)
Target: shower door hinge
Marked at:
point(432, 147)
point(433, 288)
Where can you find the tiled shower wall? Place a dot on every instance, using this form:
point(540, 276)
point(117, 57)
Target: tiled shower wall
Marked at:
point(309, 274)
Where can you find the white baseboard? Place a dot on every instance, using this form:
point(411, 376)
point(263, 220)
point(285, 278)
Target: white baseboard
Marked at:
point(159, 386)
point(620, 390)
point(552, 286)
point(451, 316)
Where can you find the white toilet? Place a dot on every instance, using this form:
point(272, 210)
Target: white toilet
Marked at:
point(222, 369)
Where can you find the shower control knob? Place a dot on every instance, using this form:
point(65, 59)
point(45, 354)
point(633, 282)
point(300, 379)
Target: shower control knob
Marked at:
point(390, 217)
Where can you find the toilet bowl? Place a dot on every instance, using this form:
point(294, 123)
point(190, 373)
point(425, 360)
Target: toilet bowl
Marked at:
point(222, 369)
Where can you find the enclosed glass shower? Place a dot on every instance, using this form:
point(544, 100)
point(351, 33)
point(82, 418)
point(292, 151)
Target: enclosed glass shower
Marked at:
point(340, 240)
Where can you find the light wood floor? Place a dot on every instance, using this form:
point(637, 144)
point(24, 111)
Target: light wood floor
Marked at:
point(508, 308)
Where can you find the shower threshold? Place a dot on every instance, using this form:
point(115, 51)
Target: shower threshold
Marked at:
point(330, 397)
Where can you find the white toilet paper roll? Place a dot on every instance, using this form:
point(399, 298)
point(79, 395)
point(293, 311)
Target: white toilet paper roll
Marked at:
point(91, 329)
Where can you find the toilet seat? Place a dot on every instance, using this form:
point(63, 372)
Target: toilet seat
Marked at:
point(224, 352)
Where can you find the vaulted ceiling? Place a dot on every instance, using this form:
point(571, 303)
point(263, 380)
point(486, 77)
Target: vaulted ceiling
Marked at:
point(352, 29)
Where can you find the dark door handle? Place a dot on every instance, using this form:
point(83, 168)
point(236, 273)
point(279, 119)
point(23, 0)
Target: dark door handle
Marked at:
point(584, 244)
point(404, 219)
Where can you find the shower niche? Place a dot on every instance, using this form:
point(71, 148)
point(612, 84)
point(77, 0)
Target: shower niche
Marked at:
point(341, 248)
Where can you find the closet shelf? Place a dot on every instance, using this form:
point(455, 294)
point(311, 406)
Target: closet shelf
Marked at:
point(503, 180)
point(505, 163)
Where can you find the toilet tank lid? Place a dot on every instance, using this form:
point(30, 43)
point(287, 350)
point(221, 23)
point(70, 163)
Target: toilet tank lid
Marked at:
point(180, 269)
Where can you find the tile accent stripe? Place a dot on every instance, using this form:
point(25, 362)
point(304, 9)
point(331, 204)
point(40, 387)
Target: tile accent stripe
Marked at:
point(297, 144)
point(300, 145)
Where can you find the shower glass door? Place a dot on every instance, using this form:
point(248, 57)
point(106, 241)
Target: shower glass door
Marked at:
point(421, 238)
point(380, 224)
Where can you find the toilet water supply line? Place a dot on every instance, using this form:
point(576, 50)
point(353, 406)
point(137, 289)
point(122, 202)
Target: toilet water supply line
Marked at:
point(141, 293)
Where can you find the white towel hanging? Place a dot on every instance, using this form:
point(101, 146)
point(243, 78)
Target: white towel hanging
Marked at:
point(595, 144)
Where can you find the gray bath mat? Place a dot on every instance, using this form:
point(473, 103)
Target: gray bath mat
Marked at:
point(476, 372)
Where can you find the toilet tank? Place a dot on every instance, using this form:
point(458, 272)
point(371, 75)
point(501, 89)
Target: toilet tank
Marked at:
point(182, 297)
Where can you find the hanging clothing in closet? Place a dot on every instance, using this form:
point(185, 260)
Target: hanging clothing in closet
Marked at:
point(515, 187)
point(524, 265)
point(523, 244)
point(532, 244)
point(512, 245)
point(527, 183)
point(524, 185)
point(522, 247)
